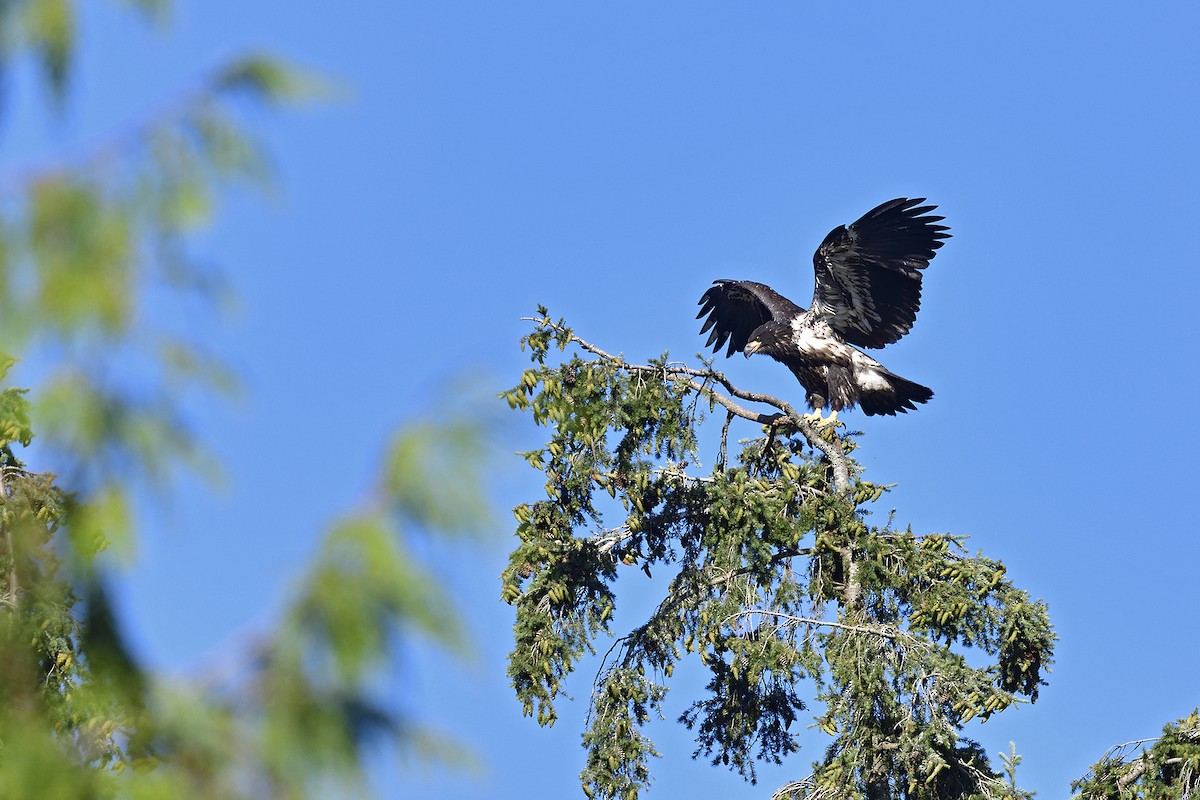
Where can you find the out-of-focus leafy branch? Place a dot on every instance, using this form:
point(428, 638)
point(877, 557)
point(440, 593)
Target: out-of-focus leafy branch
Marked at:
point(98, 282)
point(306, 705)
point(292, 716)
point(95, 275)
point(46, 30)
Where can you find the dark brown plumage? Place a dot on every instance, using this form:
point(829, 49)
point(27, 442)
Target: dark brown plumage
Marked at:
point(868, 293)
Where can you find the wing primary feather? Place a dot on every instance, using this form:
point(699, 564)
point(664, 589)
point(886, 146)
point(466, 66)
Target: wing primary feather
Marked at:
point(736, 308)
point(868, 274)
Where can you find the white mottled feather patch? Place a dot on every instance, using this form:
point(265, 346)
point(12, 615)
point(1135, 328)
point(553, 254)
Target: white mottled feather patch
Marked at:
point(817, 340)
point(870, 380)
point(869, 374)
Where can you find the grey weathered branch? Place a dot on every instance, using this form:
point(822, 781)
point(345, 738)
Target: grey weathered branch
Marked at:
point(723, 454)
point(1137, 768)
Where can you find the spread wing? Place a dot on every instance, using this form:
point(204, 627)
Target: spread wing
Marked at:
point(868, 274)
point(736, 308)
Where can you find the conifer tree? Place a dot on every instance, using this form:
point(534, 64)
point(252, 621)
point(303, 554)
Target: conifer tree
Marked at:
point(804, 609)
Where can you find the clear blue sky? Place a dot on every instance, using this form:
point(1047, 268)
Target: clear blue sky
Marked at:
point(610, 160)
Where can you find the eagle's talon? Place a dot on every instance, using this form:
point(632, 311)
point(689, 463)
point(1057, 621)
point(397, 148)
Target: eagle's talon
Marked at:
point(816, 420)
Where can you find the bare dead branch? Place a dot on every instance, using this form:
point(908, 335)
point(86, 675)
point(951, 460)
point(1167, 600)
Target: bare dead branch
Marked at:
point(723, 453)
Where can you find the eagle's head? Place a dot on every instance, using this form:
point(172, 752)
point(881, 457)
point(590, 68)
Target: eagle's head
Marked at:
point(769, 338)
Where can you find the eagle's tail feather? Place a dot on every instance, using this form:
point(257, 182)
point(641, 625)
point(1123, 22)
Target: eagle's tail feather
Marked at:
point(887, 393)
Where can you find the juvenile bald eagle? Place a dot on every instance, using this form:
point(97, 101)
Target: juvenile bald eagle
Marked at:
point(868, 292)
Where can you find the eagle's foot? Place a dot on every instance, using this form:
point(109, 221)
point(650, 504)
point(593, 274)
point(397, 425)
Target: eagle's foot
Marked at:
point(816, 420)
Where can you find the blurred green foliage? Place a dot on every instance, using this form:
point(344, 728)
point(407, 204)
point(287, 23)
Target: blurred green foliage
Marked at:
point(91, 252)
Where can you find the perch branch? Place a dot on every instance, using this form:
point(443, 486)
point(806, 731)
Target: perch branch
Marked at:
point(700, 379)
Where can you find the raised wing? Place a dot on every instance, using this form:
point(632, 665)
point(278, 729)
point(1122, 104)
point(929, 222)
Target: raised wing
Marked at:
point(736, 308)
point(868, 274)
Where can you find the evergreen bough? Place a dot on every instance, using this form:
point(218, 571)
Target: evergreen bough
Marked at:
point(803, 610)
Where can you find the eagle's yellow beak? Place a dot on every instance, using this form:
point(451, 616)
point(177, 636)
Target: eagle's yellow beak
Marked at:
point(751, 348)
